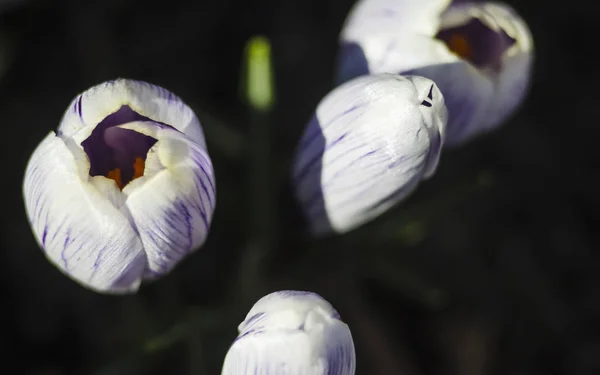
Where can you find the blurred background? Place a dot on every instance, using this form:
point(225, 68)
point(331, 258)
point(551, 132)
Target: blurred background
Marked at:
point(491, 267)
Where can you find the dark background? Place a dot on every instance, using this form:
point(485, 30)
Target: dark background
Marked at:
point(490, 268)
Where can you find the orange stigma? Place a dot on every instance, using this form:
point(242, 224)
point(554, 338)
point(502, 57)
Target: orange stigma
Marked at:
point(460, 45)
point(115, 174)
point(138, 168)
point(138, 171)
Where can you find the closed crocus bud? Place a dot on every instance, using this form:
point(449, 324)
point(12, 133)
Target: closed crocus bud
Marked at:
point(369, 144)
point(291, 333)
point(125, 188)
point(479, 54)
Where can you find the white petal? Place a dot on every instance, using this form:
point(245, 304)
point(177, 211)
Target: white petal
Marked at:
point(153, 102)
point(370, 143)
point(393, 50)
point(434, 120)
point(394, 36)
point(369, 17)
point(172, 209)
point(292, 333)
point(80, 230)
point(467, 94)
point(510, 21)
point(514, 80)
point(387, 36)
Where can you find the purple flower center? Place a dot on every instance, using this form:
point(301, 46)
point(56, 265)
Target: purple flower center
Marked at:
point(477, 43)
point(119, 154)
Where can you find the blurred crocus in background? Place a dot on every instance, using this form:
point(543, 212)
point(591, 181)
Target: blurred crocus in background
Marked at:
point(369, 144)
point(125, 188)
point(479, 54)
point(291, 333)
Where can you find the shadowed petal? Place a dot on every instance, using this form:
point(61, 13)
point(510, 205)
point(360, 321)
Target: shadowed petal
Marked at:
point(467, 94)
point(81, 230)
point(514, 80)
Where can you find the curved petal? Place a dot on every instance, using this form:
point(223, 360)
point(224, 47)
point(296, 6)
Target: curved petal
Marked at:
point(393, 36)
point(292, 333)
point(435, 116)
point(369, 17)
point(393, 46)
point(392, 50)
point(369, 144)
point(467, 91)
point(514, 79)
point(387, 36)
point(301, 302)
point(81, 231)
point(467, 94)
point(172, 204)
point(153, 102)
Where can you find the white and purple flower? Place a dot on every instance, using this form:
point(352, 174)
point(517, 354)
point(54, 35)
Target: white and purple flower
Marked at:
point(124, 189)
point(367, 147)
point(291, 333)
point(480, 54)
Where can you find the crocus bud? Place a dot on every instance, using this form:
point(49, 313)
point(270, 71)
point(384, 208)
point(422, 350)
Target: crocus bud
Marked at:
point(479, 54)
point(291, 333)
point(369, 144)
point(124, 190)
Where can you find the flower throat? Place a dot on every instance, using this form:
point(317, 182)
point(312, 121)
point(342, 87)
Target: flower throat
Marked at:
point(116, 153)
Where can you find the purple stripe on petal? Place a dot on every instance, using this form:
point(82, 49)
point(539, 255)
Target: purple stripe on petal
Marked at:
point(342, 182)
point(178, 220)
point(292, 332)
point(44, 236)
point(81, 232)
point(79, 104)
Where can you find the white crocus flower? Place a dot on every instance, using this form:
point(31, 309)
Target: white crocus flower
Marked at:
point(369, 144)
point(124, 190)
point(479, 54)
point(291, 333)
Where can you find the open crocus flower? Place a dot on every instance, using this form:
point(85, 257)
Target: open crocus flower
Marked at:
point(478, 53)
point(369, 144)
point(291, 333)
point(125, 188)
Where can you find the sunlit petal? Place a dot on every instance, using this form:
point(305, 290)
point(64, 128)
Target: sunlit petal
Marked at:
point(125, 190)
point(478, 53)
point(292, 333)
point(147, 100)
point(172, 207)
point(81, 231)
point(369, 144)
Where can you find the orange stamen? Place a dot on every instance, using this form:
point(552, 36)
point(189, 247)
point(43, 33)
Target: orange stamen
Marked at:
point(138, 171)
point(138, 168)
point(115, 174)
point(460, 45)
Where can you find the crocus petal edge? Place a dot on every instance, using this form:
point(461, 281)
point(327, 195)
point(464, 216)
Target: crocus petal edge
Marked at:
point(81, 232)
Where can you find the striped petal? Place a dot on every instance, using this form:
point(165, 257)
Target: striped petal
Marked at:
point(478, 53)
point(369, 144)
point(81, 231)
point(292, 333)
point(148, 101)
point(125, 190)
point(172, 204)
